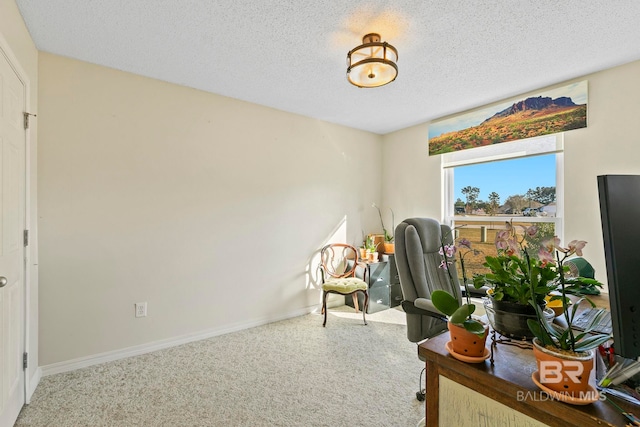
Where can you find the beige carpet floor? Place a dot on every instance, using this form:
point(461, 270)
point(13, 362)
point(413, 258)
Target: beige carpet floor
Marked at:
point(288, 373)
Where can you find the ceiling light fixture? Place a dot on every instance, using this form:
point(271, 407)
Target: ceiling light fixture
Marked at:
point(373, 63)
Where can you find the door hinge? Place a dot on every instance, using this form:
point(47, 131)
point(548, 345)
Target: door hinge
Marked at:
point(25, 360)
point(26, 119)
point(25, 237)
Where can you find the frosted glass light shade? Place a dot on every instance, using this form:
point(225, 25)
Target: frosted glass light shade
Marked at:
point(373, 63)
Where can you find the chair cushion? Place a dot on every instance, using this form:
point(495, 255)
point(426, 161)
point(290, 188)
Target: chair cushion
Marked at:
point(345, 285)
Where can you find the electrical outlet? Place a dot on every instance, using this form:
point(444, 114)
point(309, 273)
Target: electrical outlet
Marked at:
point(141, 309)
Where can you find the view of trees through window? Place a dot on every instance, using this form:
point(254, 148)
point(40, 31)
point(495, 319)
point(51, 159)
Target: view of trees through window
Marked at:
point(488, 195)
point(482, 236)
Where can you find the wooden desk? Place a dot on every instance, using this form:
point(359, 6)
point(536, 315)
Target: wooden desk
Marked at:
point(507, 382)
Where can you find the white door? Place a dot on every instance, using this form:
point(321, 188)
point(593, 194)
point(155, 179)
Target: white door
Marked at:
point(12, 220)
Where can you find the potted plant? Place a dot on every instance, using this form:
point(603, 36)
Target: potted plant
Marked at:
point(371, 249)
point(363, 248)
point(363, 252)
point(468, 335)
point(514, 279)
point(564, 356)
point(389, 245)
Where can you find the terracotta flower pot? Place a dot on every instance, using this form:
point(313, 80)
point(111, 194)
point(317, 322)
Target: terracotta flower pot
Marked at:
point(563, 373)
point(389, 248)
point(466, 343)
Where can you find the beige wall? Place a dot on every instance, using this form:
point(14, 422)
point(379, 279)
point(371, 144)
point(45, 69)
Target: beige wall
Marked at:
point(210, 209)
point(15, 37)
point(207, 208)
point(412, 179)
point(609, 145)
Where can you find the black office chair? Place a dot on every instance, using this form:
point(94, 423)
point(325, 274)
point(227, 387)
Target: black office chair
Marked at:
point(418, 241)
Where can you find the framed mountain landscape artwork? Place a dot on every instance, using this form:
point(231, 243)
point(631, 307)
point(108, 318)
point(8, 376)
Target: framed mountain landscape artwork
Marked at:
point(549, 111)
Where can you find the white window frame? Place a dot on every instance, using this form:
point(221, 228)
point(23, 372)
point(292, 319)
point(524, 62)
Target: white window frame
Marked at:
point(550, 144)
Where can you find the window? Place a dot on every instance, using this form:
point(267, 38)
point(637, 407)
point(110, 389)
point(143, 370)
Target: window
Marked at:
point(521, 182)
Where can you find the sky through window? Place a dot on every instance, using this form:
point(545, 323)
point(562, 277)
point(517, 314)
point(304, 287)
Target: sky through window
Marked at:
point(506, 177)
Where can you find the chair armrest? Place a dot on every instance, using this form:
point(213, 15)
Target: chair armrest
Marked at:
point(423, 307)
point(427, 305)
point(480, 292)
point(321, 273)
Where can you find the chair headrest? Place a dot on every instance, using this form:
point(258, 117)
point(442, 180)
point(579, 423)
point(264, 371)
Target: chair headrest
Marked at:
point(429, 231)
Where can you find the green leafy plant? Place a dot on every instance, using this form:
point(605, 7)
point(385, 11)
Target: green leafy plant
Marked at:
point(514, 275)
point(458, 314)
point(388, 237)
point(555, 336)
point(370, 245)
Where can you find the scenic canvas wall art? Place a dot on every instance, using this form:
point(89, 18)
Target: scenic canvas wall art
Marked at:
point(549, 111)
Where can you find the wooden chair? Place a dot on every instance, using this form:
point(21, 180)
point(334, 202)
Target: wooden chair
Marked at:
point(338, 263)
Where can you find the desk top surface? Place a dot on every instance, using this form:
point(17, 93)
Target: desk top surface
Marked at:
point(511, 374)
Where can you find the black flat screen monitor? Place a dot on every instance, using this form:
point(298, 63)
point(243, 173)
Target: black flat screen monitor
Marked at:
point(620, 215)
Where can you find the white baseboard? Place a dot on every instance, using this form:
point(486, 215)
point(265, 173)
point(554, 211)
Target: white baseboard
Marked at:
point(109, 356)
point(33, 383)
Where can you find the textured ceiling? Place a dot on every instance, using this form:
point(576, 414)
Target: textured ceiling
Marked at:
point(291, 54)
